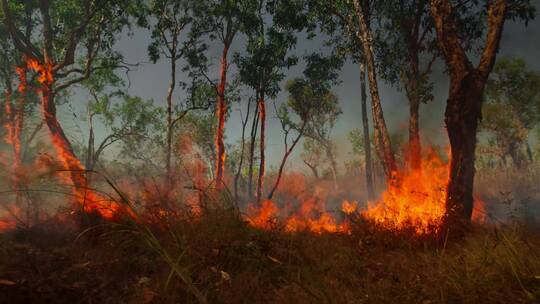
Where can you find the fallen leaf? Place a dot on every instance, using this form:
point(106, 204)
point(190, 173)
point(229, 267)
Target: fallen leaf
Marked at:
point(274, 260)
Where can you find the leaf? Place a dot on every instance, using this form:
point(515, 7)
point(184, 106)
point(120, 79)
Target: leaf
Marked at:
point(274, 260)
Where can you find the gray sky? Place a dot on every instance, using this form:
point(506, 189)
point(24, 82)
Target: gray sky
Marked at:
point(150, 81)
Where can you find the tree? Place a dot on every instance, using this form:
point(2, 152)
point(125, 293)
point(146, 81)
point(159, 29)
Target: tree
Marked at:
point(322, 118)
point(175, 35)
point(512, 108)
point(225, 19)
point(127, 118)
point(345, 42)
point(406, 34)
point(72, 41)
point(466, 90)
point(261, 68)
point(352, 19)
point(382, 139)
point(312, 156)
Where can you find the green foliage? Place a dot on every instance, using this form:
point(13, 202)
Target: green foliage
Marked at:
point(512, 106)
point(269, 43)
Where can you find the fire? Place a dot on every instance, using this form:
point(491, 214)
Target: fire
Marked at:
point(85, 197)
point(418, 200)
point(310, 215)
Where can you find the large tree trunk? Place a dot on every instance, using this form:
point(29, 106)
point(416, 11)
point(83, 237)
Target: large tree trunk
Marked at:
point(262, 160)
point(382, 139)
point(464, 104)
point(463, 111)
point(365, 128)
point(221, 110)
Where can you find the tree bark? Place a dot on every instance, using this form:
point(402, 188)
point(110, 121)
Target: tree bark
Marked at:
point(254, 128)
point(415, 149)
point(260, 181)
point(170, 92)
point(463, 108)
point(382, 139)
point(221, 110)
point(365, 127)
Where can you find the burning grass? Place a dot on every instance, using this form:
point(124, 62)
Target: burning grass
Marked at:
point(228, 261)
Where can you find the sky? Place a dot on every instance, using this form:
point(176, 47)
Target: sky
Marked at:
point(150, 81)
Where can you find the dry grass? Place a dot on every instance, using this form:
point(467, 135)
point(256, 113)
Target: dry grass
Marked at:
point(229, 262)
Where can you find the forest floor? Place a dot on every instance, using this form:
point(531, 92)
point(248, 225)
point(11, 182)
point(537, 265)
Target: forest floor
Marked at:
point(227, 261)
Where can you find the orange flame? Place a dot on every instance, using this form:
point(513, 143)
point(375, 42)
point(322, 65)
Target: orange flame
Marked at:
point(310, 215)
point(418, 201)
point(87, 198)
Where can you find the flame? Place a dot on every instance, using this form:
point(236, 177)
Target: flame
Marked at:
point(349, 207)
point(479, 214)
point(419, 199)
point(310, 214)
point(90, 200)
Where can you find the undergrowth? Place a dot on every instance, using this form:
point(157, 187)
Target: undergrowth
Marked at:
point(218, 258)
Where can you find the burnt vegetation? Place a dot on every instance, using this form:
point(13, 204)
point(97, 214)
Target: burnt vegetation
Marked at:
point(214, 167)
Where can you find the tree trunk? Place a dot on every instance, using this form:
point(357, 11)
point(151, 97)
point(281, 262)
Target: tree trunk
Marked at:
point(333, 164)
point(288, 152)
point(313, 169)
point(463, 108)
point(463, 111)
point(262, 111)
point(221, 110)
point(415, 150)
point(382, 139)
point(254, 128)
point(365, 127)
point(242, 153)
point(170, 92)
point(90, 148)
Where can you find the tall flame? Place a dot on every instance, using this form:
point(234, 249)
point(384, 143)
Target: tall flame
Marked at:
point(419, 200)
point(90, 200)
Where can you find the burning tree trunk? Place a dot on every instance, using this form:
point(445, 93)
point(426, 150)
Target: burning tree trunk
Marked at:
point(464, 103)
point(382, 139)
point(262, 113)
point(221, 112)
point(365, 127)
